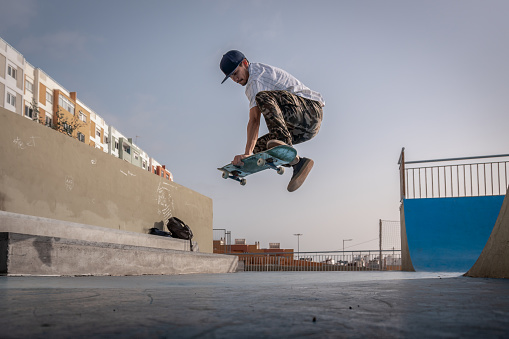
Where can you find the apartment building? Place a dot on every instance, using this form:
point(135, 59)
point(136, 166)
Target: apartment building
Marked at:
point(160, 170)
point(12, 65)
point(30, 92)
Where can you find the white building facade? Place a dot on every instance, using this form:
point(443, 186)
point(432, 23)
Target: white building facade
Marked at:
point(12, 65)
point(30, 92)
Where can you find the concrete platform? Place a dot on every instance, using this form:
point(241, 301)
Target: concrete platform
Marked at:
point(22, 254)
point(27, 224)
point(41, 246)
point(257, 304)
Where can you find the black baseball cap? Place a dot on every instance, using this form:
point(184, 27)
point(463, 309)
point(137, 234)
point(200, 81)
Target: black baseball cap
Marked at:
point(230, 61)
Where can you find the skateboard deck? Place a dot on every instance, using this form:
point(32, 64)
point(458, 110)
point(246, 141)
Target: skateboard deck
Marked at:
point(273, 158)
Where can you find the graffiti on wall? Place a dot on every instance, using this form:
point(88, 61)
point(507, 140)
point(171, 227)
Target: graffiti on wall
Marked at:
point(164, 200)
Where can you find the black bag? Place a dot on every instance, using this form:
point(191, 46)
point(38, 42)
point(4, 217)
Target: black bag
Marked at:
point(157, 231)
point(178, 229)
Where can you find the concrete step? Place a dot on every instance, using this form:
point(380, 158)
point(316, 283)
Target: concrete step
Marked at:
point(23, 254)
point(27, 224)
point(40, 246)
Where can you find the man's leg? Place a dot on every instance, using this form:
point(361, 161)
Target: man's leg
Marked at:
point(289, 118)
point(269, 104)
point(292, 120)
point(304, 119)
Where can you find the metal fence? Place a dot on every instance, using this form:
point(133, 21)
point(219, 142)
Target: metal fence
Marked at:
point(454, 177)
point(389, 250)
point(389, 235)
point(321, 261)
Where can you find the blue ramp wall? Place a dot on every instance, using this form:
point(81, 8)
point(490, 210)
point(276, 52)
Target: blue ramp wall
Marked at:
point(449, 234)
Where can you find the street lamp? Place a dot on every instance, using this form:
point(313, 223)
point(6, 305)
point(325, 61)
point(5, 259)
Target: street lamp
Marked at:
point(344, 247)
point(298, 244)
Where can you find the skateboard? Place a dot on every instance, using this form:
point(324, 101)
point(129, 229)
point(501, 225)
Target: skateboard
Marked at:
point(273, 158)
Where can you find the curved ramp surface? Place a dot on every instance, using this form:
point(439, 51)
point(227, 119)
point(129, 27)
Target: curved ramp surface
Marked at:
point(449, 234)
point(494, 259)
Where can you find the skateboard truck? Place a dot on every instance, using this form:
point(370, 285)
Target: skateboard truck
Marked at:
point(235, 176)
point(270, 162)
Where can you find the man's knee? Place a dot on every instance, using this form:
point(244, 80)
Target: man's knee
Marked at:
point(264, 97)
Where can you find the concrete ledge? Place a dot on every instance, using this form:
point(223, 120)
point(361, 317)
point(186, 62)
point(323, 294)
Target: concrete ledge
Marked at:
point(40, 246)
point(27, 224)
point(23, 254)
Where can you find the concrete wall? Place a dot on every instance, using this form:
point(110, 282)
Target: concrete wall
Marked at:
point(48, 174)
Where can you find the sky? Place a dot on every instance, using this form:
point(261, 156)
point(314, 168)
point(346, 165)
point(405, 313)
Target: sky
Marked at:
point(430, 76)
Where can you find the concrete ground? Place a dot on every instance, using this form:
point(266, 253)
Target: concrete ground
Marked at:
point(254, 305)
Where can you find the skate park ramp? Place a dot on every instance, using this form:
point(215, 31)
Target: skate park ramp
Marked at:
point(494, 259)
point(448, 234)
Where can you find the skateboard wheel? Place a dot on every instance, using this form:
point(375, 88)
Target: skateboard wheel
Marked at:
point(243, 182)
point(225, 175)
point(260, 162)
point(280, 170)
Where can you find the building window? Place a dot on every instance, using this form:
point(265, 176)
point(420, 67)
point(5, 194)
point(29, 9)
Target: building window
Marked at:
point(11, 71)
point(81, 137)
point(49, 98)
point(127, 149)
point(29, 112)
point(66, 104)
point(116, 144)
point(48, 122)
point(83, 117)
point(29, 86)
point(98, 133)
point(11, 99)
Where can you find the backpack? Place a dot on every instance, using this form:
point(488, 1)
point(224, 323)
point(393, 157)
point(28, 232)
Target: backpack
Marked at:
point(178, 229)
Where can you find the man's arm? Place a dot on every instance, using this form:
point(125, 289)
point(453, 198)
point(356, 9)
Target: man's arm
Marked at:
point(253, 126)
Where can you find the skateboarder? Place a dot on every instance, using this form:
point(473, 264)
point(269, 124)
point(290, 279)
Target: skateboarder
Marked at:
point(293, 112)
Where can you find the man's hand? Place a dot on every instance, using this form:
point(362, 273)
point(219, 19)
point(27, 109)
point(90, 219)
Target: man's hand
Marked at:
point(237, 161)
point(252, 135)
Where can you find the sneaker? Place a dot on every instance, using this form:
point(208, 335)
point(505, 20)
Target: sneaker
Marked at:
point(300, 172)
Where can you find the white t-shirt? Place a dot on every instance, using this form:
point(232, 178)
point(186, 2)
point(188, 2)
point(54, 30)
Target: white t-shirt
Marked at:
point(268, 78)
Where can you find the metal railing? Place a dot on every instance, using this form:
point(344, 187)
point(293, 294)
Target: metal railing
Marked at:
point(321, 261)
point(455, 177)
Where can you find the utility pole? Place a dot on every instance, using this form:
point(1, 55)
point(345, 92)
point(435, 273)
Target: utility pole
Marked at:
point(298, 244)
point(380, 245)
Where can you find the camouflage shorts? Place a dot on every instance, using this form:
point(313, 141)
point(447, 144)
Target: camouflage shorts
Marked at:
point(289, 118)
